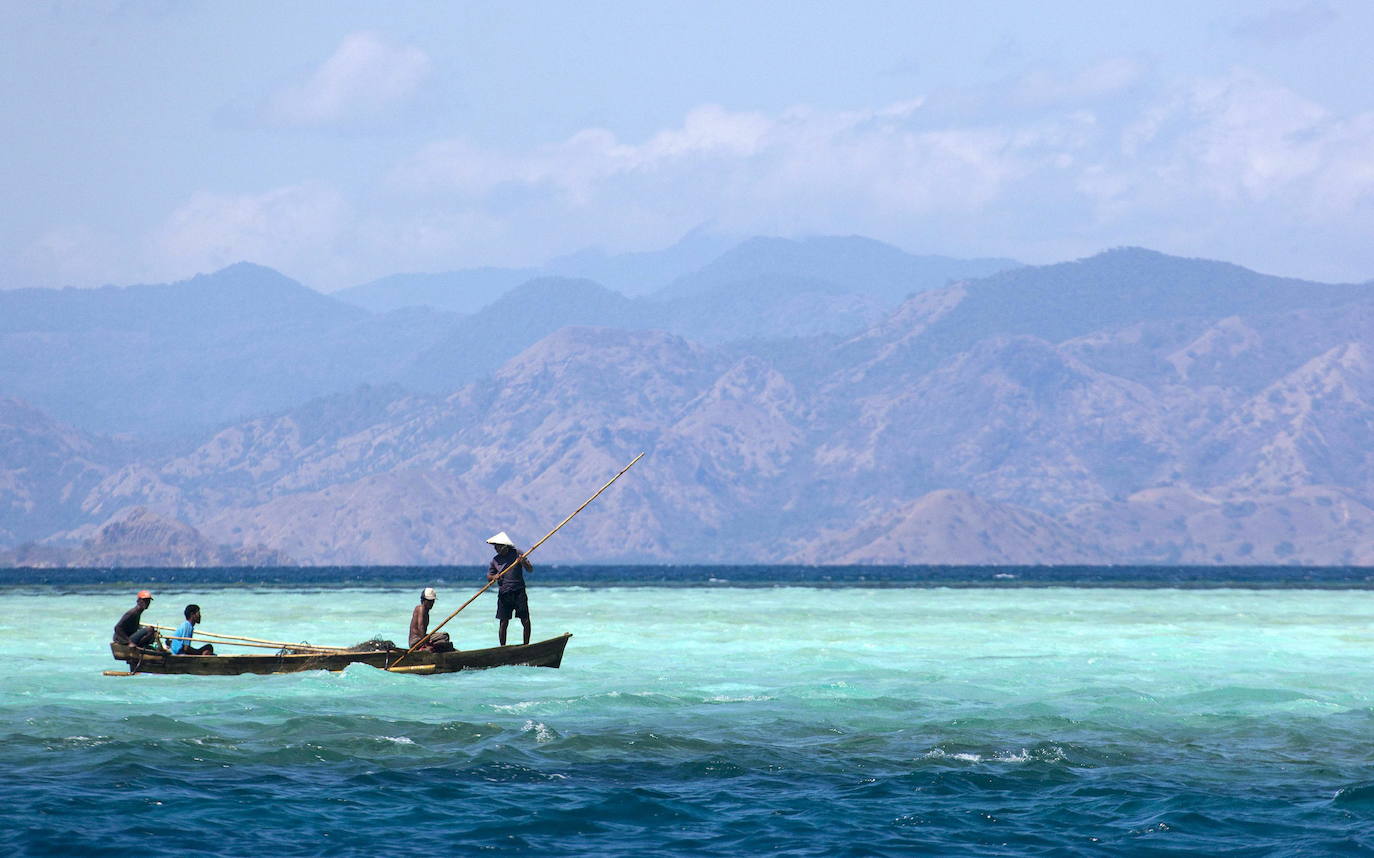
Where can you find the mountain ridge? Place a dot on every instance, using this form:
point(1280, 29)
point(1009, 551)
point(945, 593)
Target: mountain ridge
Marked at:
point(939, 433)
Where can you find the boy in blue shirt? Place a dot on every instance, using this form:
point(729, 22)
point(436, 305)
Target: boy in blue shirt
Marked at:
point(187, 630)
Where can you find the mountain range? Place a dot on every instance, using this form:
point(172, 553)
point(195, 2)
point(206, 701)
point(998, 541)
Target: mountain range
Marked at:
point(171, 360)
point(838, 402)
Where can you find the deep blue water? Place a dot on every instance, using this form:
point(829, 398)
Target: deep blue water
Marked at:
point(856, 712)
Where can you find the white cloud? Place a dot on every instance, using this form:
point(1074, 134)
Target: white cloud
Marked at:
point(364, 78)
point(1237, 161)
point(1240, 168)
point(1241, 141)
point(799, 170)
point(299, 230)
point(1235, 167)
point(748, 159)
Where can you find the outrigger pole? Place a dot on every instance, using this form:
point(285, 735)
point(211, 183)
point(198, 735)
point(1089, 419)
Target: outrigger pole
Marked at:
point(518, 561)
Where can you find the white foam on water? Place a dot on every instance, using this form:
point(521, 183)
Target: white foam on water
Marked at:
point(541, 731)
point(515, 707)
point(400, 740)
point(88, 741)
point(941, 754)
point(1049, 755)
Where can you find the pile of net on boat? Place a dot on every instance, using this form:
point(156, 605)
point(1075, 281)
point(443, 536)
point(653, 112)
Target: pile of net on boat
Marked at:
point(369, 645)
point(373, 645)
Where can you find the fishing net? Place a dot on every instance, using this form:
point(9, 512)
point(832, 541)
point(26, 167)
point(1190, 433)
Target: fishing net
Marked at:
point(370, 645)
point(373, 645)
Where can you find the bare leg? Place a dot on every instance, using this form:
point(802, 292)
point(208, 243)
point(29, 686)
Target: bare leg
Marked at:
point(526, 622)
point(501, 633)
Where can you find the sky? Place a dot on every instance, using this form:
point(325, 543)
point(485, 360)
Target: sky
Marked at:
point(338, 142)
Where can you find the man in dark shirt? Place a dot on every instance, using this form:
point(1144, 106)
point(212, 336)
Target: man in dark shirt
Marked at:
point(128, 630)
point(510, 595)
point(419, 625)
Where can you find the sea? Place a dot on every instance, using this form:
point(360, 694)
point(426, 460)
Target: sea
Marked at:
point(808, 711)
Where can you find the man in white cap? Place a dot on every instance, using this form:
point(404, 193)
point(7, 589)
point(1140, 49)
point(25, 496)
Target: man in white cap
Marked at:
point(510, 595)
point(419, 625)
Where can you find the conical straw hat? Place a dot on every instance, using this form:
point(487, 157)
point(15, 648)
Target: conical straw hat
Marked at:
point(501, 539)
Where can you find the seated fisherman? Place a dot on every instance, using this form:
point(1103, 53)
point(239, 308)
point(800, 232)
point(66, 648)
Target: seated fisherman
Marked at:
point(419, 626)
point(180, 643)
point(129, 631)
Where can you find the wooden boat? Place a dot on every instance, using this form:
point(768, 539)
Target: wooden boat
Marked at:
point(547, 653)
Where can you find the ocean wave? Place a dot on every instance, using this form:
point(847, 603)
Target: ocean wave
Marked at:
point(1042, 754)
point(541, 731)
point(1359, 796)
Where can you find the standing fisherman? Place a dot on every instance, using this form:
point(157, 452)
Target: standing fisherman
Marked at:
point(510, 597)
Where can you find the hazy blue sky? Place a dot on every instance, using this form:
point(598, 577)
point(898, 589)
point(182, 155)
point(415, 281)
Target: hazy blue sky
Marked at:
point(340, 141)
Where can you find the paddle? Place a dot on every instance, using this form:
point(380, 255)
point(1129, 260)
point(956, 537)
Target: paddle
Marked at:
point(518, 561)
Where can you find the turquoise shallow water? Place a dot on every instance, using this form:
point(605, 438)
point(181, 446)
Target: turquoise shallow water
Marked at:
point(696, 720)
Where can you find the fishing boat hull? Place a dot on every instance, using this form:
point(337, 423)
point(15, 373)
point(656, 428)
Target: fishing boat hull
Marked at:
point(548, 653)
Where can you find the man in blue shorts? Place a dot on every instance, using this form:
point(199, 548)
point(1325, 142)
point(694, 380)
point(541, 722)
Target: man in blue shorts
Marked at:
point(510, 594)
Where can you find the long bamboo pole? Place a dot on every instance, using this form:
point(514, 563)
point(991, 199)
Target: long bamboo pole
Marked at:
point(303, 647)
point(518, 561)
point(214, 636)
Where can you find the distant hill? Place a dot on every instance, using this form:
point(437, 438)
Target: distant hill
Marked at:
point(183, 356)
point(644, 273)
point(699, 265)
point(47, 469)
point(140, 538)
point(1127, 286)
point(469, 290)
point(762, 289)
point(242, 296)
point(768, 306)
point(463, 292)
point(171, 358)
point(856, 265)
point(477, 345)
point(1161, 299)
